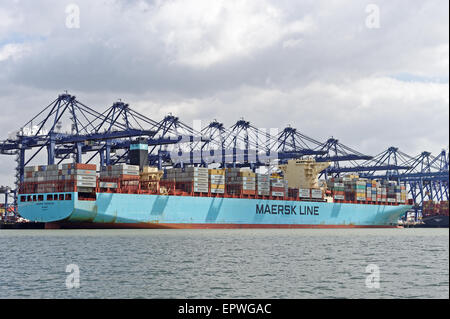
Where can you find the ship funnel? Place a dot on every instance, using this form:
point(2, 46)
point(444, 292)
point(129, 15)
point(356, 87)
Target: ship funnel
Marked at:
point(138, 154)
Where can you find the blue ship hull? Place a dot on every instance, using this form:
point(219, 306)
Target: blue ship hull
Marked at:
point(159, 211)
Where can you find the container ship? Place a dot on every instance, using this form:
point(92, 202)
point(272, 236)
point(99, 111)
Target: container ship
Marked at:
point(434, 215)
point(136, 195)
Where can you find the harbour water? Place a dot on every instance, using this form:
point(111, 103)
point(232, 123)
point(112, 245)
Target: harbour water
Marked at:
point(236, 263)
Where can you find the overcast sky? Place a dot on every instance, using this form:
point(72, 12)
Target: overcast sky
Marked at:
point(328, 68)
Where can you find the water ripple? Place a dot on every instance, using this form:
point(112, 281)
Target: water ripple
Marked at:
point(243, 263)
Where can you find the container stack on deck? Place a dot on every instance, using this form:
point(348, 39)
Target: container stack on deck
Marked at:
point(337, 187)
point(83, 175)
point(217, 181)
point(432, 208)
point(192, 179)
point(125, 178)
point(52, 179)
point(428, 208)
point(263, 184)
point(278, 187)
point(240, 182)
point(443, 208)
point(121, 176)
point(354, 188)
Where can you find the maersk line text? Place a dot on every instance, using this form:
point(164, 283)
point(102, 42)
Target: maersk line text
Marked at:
point(287, 209)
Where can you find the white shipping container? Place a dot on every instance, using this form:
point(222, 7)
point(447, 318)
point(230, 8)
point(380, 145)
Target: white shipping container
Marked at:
point(108, 185)
point(304, 193)
point(85, 178)
point(217, 180)
point(217, 190)
point(196, 169)
point(190, 175)
point(278, 194)
point(125, 167)
point(200, 184)
point(124, 172)
point(339, 197)
point(86, 184)
point(79, 172)
point(217, 176)
point(248, 183)
point(316, 193)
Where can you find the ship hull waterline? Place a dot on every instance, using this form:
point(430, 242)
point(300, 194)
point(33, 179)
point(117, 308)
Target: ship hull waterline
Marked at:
point(191, 212)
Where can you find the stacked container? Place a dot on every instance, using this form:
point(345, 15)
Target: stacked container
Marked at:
point(317, 193)
point(293, 193)
point(30, 174)
point(122, 176)
point(391, 188)
point(192, 179)
point(304, 193)
point(337, 187)
point(121, 171)
point(50, 178)
point(360, 189)
point(240, 181)
point(197, 177)
point(217, 181)
point(369, 191)
point(403, 194)
point(428, 208)
point(84, 176)
point(443, 208)
point(374, 190)
point(379, 193)
point(263, 184)
point(278, 187)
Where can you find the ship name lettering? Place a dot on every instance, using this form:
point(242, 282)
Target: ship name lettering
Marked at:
point(276, 209)
point(309, 210)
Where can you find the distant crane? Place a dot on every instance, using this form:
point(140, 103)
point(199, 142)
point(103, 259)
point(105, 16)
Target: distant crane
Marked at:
point(67, 129)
